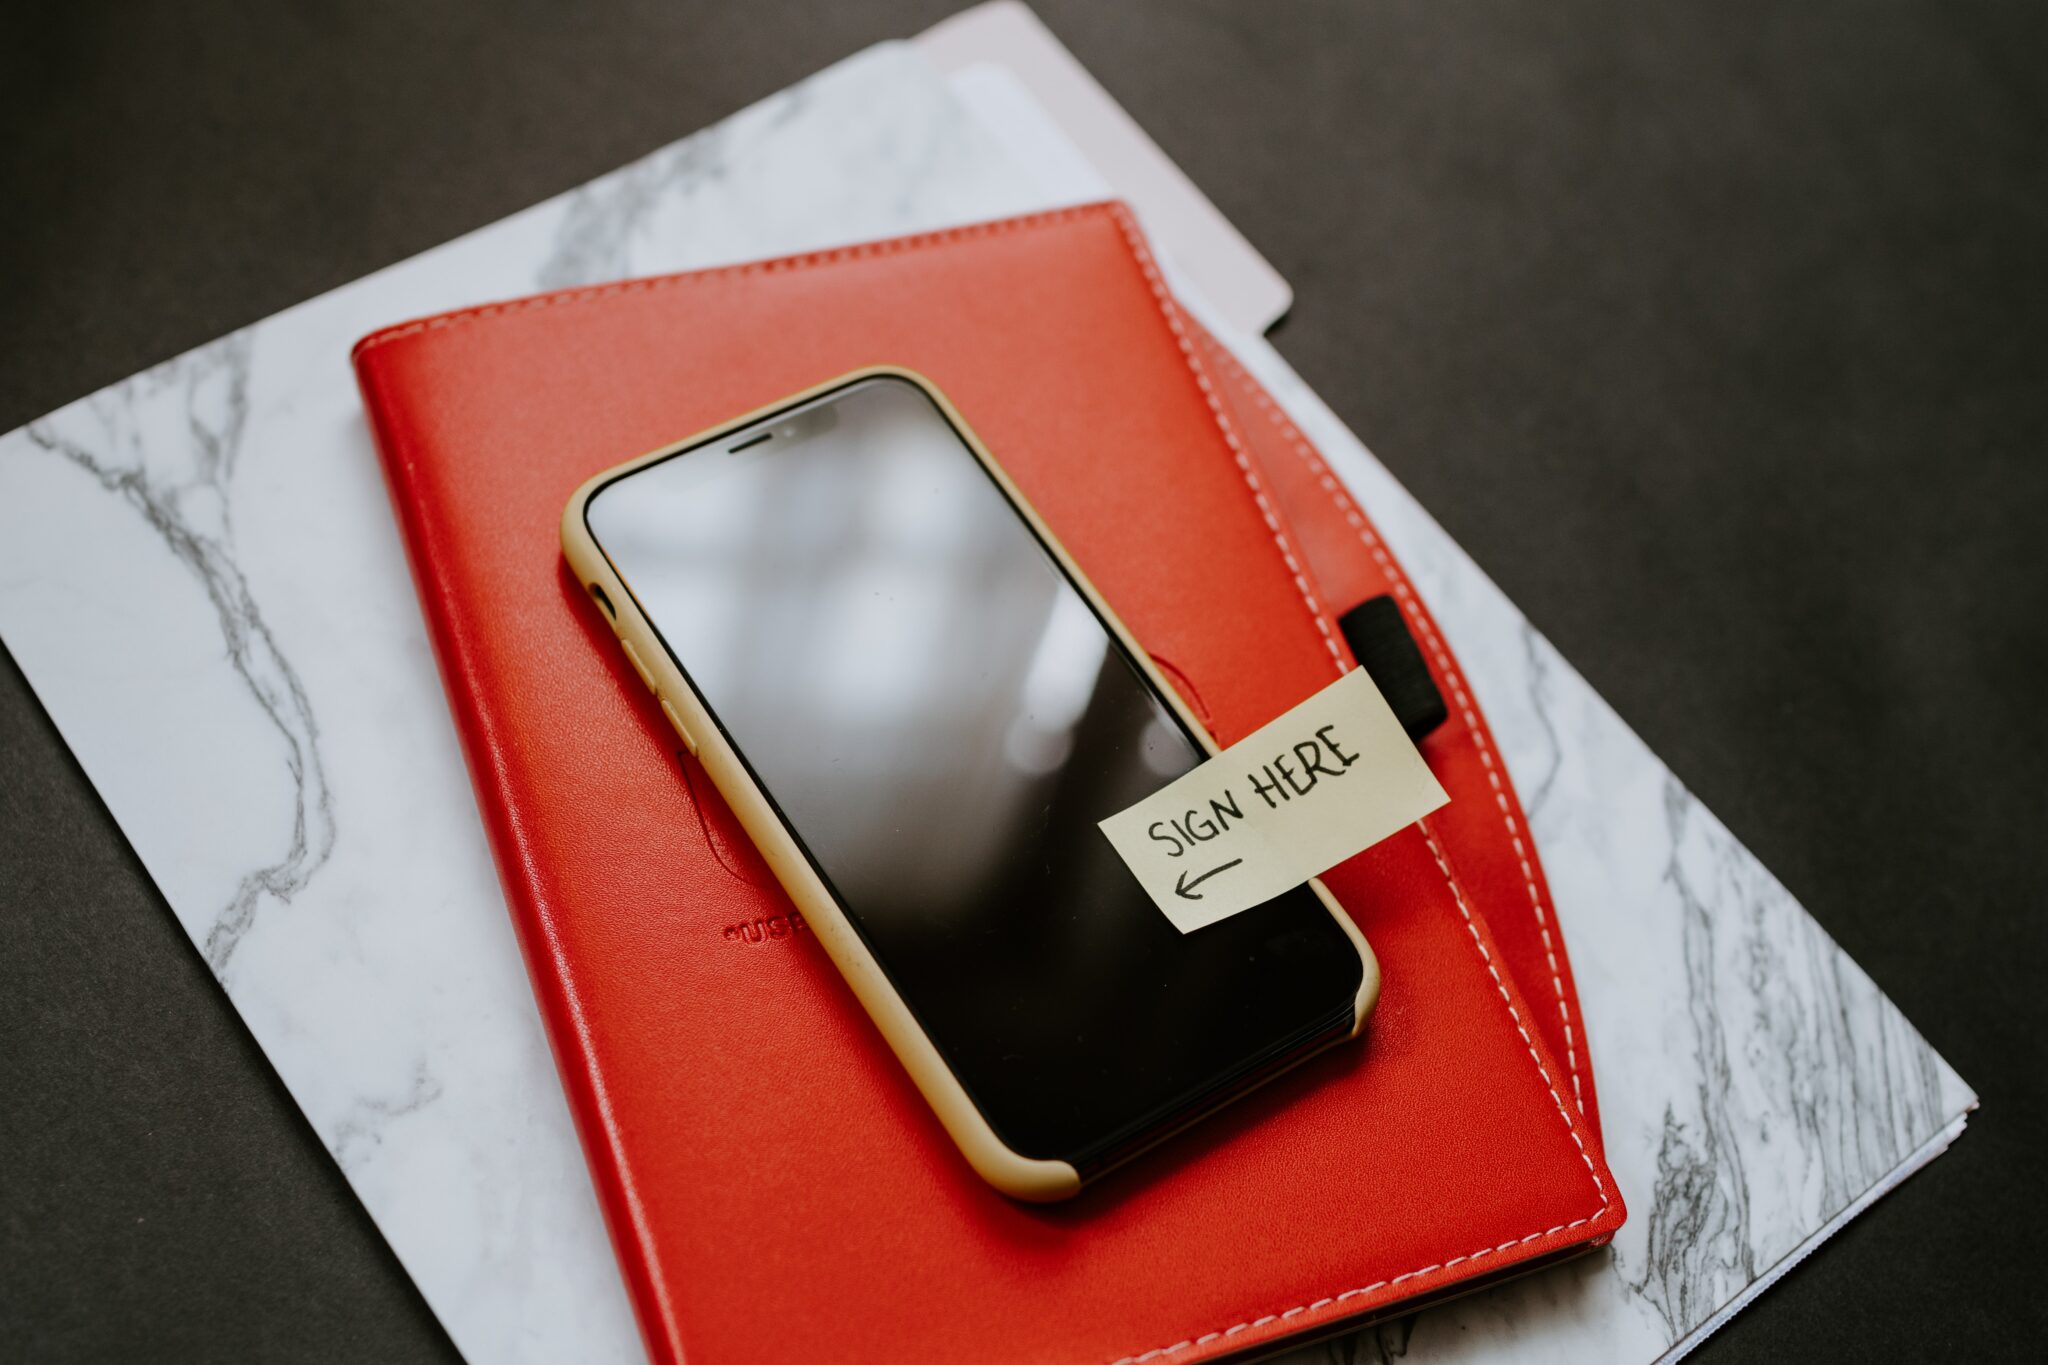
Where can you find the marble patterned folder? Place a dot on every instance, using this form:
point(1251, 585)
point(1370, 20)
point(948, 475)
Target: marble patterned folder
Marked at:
point(240, 666)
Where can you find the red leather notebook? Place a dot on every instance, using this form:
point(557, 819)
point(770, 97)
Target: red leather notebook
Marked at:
point(775, 1187)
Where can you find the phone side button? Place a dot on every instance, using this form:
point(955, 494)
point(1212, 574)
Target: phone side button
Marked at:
point(689, 740)
point(633, 657)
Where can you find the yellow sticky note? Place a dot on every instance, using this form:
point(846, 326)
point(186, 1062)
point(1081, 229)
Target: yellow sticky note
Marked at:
point(1294, 798)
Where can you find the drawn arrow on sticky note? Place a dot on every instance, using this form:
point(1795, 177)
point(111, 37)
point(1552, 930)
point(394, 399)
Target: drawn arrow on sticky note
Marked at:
point(1288, 802)
point(1185, 886)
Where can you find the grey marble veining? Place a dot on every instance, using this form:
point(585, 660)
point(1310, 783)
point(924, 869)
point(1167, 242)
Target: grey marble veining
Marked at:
point(186, 502)
point(1755, 1085)
point(240, 666)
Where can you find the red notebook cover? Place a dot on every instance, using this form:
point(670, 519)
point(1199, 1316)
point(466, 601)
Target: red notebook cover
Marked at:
point(1483, 827)
point(775, 1187)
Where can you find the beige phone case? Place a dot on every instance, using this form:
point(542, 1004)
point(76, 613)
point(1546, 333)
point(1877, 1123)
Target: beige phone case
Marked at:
point(1015, 1174)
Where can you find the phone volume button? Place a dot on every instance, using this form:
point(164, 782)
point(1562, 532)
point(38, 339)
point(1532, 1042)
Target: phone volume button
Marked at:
point(689, 740)
point(633, 656)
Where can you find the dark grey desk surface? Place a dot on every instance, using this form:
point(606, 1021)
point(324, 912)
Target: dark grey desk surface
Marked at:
point(1713, 330)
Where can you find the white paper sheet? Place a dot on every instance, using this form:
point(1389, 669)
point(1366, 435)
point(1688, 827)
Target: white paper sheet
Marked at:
point(200, 578)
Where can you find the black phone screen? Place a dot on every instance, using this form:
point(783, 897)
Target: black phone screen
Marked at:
point(941, 719)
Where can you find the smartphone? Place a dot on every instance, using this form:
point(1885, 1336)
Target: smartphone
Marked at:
point(919, 708)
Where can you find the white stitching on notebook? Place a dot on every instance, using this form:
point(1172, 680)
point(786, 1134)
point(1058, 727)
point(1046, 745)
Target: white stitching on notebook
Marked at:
point(1171, 315)
point(1414, 610)
point(1170, 312)
point(802, 261)
point(1223, 424)
point(1556, 1098)
point(1158, 1352)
